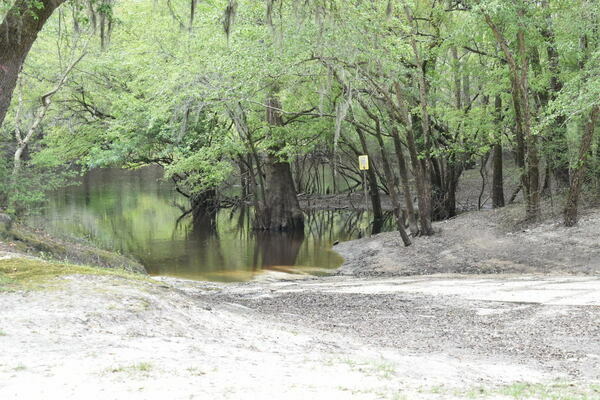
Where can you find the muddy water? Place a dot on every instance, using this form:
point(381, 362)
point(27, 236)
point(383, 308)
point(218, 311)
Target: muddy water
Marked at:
point(137, 213)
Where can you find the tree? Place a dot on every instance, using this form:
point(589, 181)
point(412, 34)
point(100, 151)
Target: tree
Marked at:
point(282, 96)
point(23, 137)
point(20, 28)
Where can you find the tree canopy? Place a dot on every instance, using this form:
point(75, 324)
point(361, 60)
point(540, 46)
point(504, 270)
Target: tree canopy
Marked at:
point(265, 93)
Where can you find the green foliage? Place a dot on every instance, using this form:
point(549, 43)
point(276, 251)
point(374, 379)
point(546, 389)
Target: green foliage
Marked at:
point(176, 90)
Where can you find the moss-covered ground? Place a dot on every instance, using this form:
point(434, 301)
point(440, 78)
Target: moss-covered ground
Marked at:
point(31, 274)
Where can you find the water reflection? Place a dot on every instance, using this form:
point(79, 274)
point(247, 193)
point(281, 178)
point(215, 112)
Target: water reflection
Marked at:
point(277, 250)
point(137, 213)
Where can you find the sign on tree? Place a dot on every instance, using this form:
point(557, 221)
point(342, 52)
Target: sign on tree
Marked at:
point(363, 163)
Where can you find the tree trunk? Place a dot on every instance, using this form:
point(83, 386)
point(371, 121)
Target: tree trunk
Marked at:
point(578, 173)
point(204, 209)
point(520, 94)
point(389, 176)
point(533, 162)
point(422, 181)
point(559, 163)
point(425, 194)
point(280, 210)
point(18, 32)
point(454, 171)
point(403, 170)
point(243, 162)
point(497, 177)
point(497, 166)
point(373, 187)
point(15, 188)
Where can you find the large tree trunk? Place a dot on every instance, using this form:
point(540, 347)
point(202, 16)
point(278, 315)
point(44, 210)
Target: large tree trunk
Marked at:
point(578, 172)
point(497, 166)
point(453, 174)
point(205, 206)
point(18, 32)
point(280, 209)
point(533, 162)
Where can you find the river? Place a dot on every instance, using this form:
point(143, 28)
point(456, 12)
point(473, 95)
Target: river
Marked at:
point(137, 213)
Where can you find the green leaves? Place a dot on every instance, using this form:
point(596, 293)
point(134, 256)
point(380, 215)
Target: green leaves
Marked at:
point(163, 91)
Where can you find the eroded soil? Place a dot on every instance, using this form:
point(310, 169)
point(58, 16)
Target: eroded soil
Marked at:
point(484, 242)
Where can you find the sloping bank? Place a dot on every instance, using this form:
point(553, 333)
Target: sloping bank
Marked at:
point(484, 242)
point(20, 239)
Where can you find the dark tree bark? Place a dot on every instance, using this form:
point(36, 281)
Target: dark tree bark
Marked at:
point(497, 166)
point(453, 173)
point(280, 210)
point(18, 32)
point(204, 210)
point(243, 163)
point(193, 4)
point(444, 181)
point(497, 177)
point(578, 173)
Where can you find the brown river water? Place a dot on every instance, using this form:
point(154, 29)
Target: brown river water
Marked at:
point(137, 213)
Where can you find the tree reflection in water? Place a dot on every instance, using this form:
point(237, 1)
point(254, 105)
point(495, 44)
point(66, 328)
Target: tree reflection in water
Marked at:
point(137, 213)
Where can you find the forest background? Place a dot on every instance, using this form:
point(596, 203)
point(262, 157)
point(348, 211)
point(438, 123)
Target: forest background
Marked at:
point(278, 98)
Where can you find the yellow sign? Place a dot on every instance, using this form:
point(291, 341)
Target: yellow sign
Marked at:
point(363, 163)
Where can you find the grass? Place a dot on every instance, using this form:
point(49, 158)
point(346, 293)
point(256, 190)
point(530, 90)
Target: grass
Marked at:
point(31, 274)
point(143, 366)
point(380, 368)
point(557, 391)
point(139, 367)
point(524, 391)
point(384, 370)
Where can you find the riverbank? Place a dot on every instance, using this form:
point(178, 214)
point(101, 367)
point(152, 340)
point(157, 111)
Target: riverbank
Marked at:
point(35, 242)
point(76, 333)
point(484, 242)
